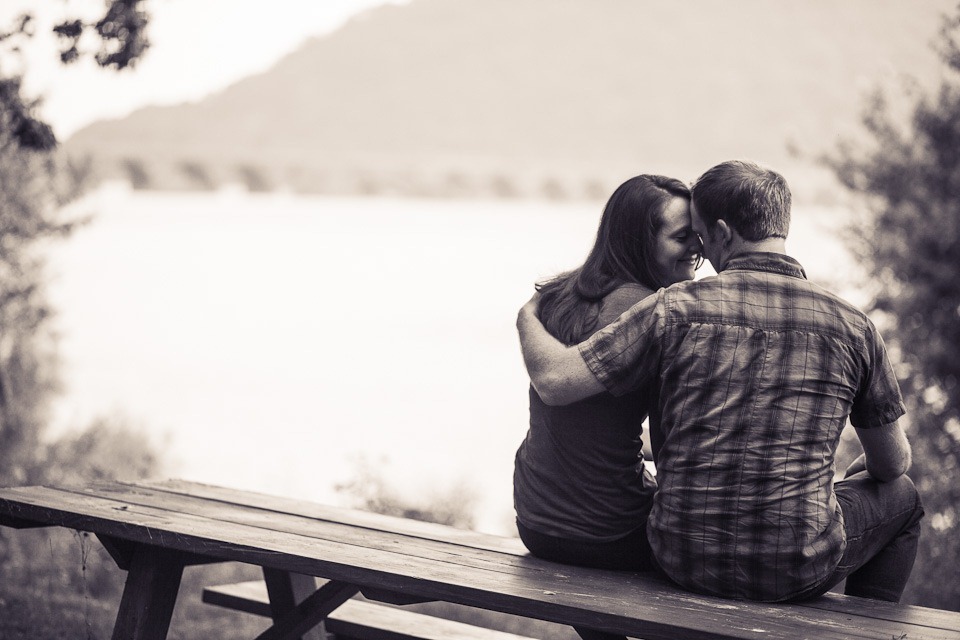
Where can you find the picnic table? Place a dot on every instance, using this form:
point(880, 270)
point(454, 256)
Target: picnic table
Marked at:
point(153, 530)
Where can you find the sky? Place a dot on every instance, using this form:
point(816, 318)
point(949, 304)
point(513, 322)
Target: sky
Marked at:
point(197, 48)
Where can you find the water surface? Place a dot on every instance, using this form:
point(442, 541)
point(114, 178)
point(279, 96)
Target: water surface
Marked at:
point(279, 343)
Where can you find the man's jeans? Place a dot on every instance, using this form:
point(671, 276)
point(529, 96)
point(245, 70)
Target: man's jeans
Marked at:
point(882, 521)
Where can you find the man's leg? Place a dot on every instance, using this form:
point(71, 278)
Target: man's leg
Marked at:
point(882, 520)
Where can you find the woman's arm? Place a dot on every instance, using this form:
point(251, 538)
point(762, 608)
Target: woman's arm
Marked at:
point(557, 372)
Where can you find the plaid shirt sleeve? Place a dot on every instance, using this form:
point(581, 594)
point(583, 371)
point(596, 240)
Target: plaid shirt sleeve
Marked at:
point(624, 355)
point(878, 401)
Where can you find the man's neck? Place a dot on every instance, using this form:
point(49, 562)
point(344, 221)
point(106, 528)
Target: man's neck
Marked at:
point(768, 245)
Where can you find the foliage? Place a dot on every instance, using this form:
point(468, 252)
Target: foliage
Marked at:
point(19, 122)
point(106, 449)
point(198, 175)
point(33, 185)
point(35, 182)
point(136, 173)
point(909, 243)
point(254, 178)
point(120, 34)
point(369, 491)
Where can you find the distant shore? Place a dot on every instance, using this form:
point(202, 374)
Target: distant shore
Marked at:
point(812, 185)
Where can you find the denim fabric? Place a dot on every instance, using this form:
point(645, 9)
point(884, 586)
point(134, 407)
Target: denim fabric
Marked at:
point(882, 523)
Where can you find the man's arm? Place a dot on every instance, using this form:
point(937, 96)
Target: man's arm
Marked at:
point(886, 451)
point(557, 372)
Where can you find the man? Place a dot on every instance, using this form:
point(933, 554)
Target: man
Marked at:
point(757, 371)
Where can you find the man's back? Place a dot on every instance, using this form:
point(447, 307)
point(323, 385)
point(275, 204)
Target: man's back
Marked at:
point(758, 371)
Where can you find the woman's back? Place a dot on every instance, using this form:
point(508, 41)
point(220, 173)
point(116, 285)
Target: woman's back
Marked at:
point(579, 473)
point(581, 492)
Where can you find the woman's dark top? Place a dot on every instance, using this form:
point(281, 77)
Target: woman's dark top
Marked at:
point(579, 472)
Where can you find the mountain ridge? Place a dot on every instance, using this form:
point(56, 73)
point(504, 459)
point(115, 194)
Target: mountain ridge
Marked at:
point(475, 97)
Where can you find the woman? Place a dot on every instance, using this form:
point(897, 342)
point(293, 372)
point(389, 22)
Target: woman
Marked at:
point(581, 491)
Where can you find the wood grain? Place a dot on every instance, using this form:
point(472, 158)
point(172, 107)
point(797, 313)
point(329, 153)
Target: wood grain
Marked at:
point(442, 563)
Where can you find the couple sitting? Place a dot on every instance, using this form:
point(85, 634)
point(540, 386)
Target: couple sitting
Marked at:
point(748, 378)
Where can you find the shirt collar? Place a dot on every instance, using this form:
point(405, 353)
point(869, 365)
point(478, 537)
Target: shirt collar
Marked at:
point(765, 261)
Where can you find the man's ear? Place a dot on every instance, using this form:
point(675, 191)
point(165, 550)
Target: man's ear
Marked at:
point(724, 231)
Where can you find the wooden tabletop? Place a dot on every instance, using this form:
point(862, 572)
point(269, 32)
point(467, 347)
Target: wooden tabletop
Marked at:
point(437, 562)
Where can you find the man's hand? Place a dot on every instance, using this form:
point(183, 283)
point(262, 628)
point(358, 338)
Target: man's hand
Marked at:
point(557, 372)
point(858, 465)
point(530, 308)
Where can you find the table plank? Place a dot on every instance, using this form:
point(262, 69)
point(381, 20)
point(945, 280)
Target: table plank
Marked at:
point(908, 614)
point(624, 603)
point(330, 530)
point(354, 517)
point(874, 609)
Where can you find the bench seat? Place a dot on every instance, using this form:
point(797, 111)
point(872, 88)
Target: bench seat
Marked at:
point(357, 619)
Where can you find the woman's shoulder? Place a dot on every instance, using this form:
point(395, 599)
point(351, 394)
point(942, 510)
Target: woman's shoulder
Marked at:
point(621, 299)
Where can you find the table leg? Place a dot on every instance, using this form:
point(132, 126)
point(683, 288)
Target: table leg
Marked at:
point(298, 607)
point(149, 595)
point(287, 590)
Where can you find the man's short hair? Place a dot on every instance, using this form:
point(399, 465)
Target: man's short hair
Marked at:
point(754, 200)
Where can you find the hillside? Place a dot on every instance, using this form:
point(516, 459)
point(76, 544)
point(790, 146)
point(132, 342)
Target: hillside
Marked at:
point(521, 97)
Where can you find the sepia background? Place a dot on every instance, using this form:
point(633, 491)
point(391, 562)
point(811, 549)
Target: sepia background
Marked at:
point(302, 230)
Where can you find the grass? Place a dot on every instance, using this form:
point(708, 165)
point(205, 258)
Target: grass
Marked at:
point(32, 613)
point(52, 610)
point(56, 583)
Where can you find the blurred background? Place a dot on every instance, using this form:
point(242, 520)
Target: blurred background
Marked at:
point(281, 246)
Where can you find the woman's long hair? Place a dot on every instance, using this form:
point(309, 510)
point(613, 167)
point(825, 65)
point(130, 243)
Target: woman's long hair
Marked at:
point(624, 252)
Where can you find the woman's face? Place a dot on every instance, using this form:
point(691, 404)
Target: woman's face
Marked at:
point(677, 246)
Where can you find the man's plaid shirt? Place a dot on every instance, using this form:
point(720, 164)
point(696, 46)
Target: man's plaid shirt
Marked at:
point(758, 371)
